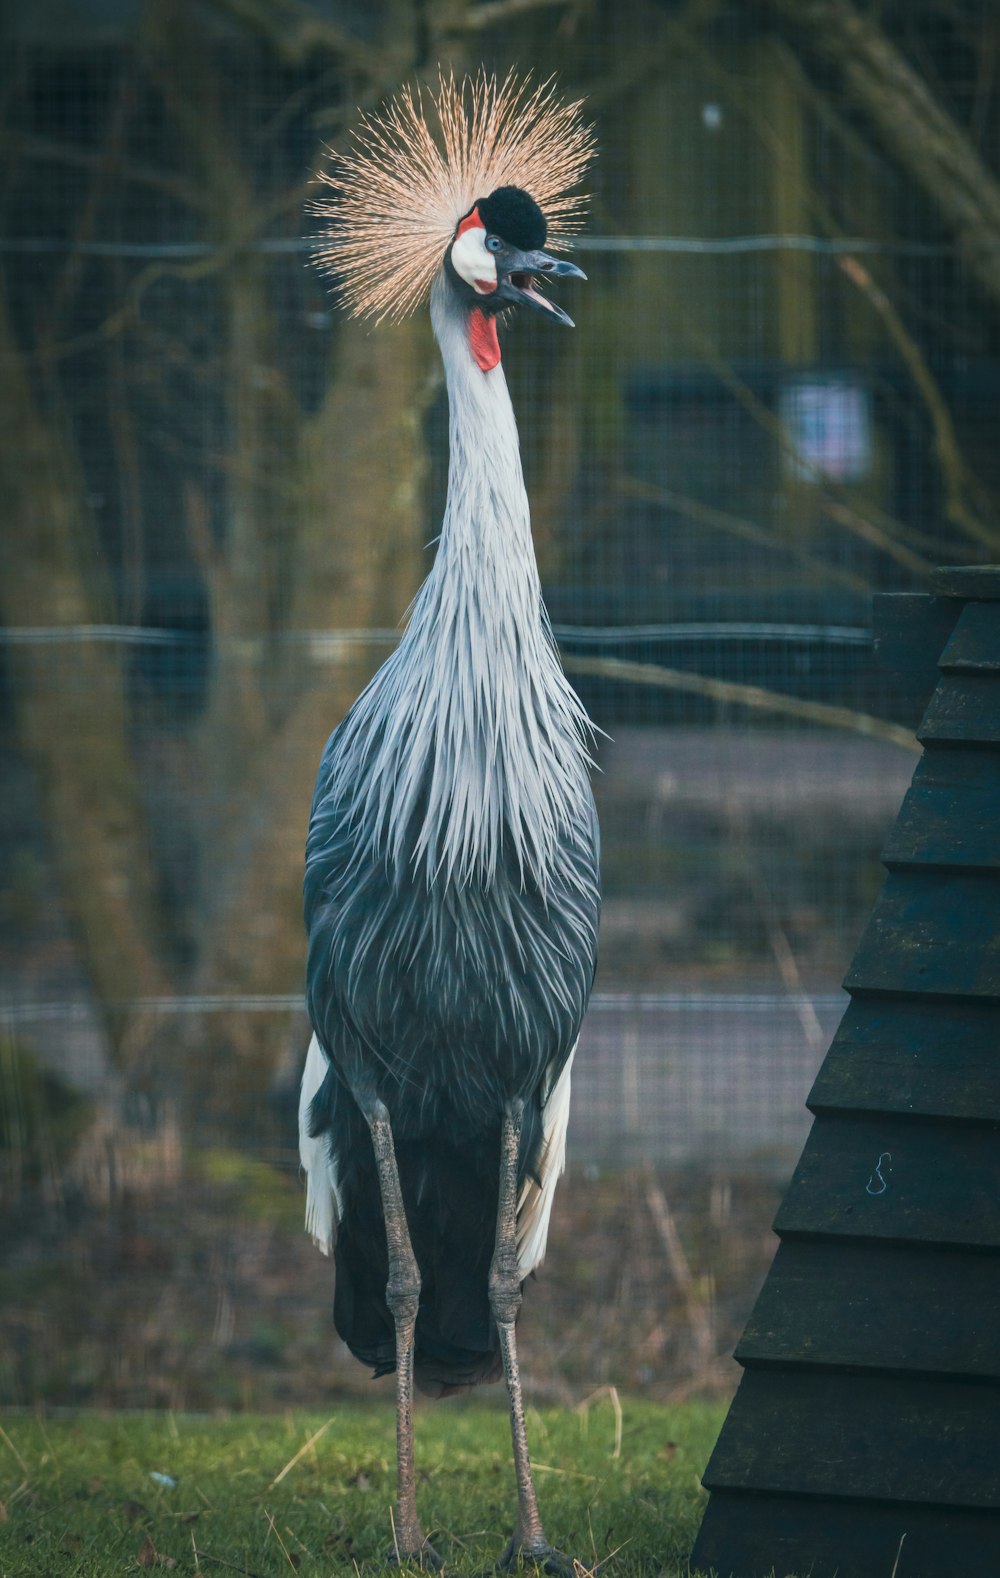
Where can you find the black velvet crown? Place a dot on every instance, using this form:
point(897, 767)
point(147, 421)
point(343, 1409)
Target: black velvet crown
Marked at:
point(511, 214)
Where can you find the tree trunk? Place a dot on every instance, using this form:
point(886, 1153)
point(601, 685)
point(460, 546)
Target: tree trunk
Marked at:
point(72, 712)
point(358, 553)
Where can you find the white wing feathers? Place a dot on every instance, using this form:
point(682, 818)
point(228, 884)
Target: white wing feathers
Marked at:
point(322, 1198)
point(534, 1208)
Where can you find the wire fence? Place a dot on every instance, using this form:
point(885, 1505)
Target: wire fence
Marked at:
point(219, 499)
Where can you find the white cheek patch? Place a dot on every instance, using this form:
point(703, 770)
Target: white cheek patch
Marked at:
point(472, 262)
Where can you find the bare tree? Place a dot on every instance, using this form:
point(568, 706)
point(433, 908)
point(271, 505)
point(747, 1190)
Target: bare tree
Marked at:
point(913, 125)
point(71, 706)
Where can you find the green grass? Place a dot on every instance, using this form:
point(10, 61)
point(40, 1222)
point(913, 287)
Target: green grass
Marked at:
point(78, 1496)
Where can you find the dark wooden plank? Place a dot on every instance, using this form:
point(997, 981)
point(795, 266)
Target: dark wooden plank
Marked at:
point(979, 581)
point(870, 1437)
point(911, 630)
point(930, 1058)
point(950, 815)
point(964, 708)
point(974, 644)
point(757, 1536)
point(932, 931)
point(878, 1306)
point(894, 1178)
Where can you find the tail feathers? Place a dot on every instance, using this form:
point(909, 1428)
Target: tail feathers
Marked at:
point(455, 1371)
point(360, 1313)
point(323, 1206)
point(451, 1195)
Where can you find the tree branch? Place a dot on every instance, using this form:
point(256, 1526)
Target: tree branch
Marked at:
point(912, 124)
point(747, 531)
point(293, 31)
point(49, 150)
point(480, 17)
point(960, 485)
point(754, 696)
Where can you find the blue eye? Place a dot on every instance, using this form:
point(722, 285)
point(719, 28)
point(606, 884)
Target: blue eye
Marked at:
point(493, 243)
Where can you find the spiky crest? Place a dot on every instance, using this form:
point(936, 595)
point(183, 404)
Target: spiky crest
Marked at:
point(413, 172)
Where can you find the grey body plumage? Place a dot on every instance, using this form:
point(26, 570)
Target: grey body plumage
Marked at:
point(452, 859)
point(452, 862)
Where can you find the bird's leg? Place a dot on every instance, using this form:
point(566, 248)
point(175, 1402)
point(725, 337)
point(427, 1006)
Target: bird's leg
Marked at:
point(505, 1300)
point(402, 1295)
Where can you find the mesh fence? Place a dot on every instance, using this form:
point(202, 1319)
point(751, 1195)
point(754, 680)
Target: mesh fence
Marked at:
point(219, 499)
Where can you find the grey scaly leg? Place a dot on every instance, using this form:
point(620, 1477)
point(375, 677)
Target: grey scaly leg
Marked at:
point(528, 1538)
point(402, 1296)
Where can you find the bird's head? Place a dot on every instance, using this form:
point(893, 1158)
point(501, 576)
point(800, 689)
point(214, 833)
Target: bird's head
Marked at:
point(496, 261)
point(413, 173)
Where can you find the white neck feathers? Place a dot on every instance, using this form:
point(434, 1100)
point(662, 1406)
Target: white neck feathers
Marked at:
point(469, 741)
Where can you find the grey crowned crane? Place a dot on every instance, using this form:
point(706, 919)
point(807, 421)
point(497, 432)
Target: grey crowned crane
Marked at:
point(452, 885)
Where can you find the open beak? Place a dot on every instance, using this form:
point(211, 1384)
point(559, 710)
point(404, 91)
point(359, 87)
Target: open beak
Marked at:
point(519, 281)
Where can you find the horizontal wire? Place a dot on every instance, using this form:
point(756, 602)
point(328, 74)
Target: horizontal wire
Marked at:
point(322, 641)
point(294, 1002)
point(702, 245)
point(833, 246)
point(723, 630)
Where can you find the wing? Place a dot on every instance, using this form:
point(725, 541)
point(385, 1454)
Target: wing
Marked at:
point(322, 1194)
point(534, 1208)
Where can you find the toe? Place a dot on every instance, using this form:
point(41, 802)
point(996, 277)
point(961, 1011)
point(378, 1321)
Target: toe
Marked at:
point(543, 1556)
point(423, 1556)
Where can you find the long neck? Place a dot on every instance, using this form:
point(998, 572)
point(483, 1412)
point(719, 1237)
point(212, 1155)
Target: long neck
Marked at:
point(486, 541)
point(480, 753)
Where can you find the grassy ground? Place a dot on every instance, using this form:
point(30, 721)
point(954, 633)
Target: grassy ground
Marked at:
point(95, 1495)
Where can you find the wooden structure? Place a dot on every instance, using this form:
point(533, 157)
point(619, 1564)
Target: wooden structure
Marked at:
point(864, 1440)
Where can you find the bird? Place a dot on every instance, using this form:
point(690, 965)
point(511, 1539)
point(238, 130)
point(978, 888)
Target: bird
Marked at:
point(452, 886)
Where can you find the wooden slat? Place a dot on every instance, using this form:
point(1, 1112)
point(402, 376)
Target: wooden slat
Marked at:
point(869, 1437)
point(905, 1055)
point(757, 1536)
point(932, 932)
point(876, 1306)
point(911, 630)
point(951, 813)
point(963, 709)
point(974, 644)
point(975, 581)
point(942, 1182)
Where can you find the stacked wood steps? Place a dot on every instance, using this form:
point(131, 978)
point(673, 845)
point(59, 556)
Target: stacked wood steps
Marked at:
point(864, 1439)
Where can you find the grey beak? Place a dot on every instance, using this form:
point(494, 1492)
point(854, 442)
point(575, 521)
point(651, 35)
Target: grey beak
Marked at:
point(556, 268)
point(517, 283)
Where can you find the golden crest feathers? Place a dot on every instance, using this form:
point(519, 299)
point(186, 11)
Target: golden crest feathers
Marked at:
point(421, 162)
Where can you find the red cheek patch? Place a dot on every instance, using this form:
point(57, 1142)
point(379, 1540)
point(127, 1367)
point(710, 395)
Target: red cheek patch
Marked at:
point(470, 222)
point(483, 341)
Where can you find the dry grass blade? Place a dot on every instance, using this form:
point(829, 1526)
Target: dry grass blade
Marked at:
point(899, 1552)
point(13, 1448)
point(395, 1539)
point(220, 1561)
point(698, 1311)
point(611, 1393)
point(284, 1548)
point(300, 1454)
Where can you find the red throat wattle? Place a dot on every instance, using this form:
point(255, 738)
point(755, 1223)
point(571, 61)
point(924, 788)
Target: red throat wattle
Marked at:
point(483, 341)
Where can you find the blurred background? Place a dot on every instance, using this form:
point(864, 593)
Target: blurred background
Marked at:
point(218, 500)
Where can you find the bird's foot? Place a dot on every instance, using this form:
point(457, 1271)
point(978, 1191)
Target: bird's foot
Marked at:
point(540, 1553)
point(420, 1552)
